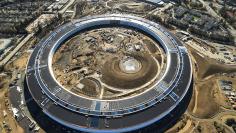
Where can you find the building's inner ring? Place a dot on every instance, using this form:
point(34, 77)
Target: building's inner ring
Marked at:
point(109, 63)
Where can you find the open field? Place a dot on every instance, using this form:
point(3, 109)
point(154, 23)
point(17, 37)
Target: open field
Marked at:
point(207, 98)
point(206, 67)
point(204, 104)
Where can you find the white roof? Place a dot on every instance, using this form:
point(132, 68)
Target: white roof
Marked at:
point(15, 112)
point(156, 1)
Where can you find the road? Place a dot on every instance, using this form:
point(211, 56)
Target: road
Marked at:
point(158, 10)
point(216, 117)
point(17, 48)
point(66, 7)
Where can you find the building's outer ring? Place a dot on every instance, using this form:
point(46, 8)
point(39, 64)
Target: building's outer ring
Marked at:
point(121, 115)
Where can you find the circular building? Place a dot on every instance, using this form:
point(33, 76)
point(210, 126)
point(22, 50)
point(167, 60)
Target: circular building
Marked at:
point(92, 84)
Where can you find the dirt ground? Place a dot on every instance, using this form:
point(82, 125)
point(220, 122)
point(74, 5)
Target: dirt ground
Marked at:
point(207, 100)
point(225, 117)
point(206, 67)
point(213, 127)
point(205, 105)
point(4, 107)
point(21, 62)
point(207, 97)
point(184, 126)
point(99, 53)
